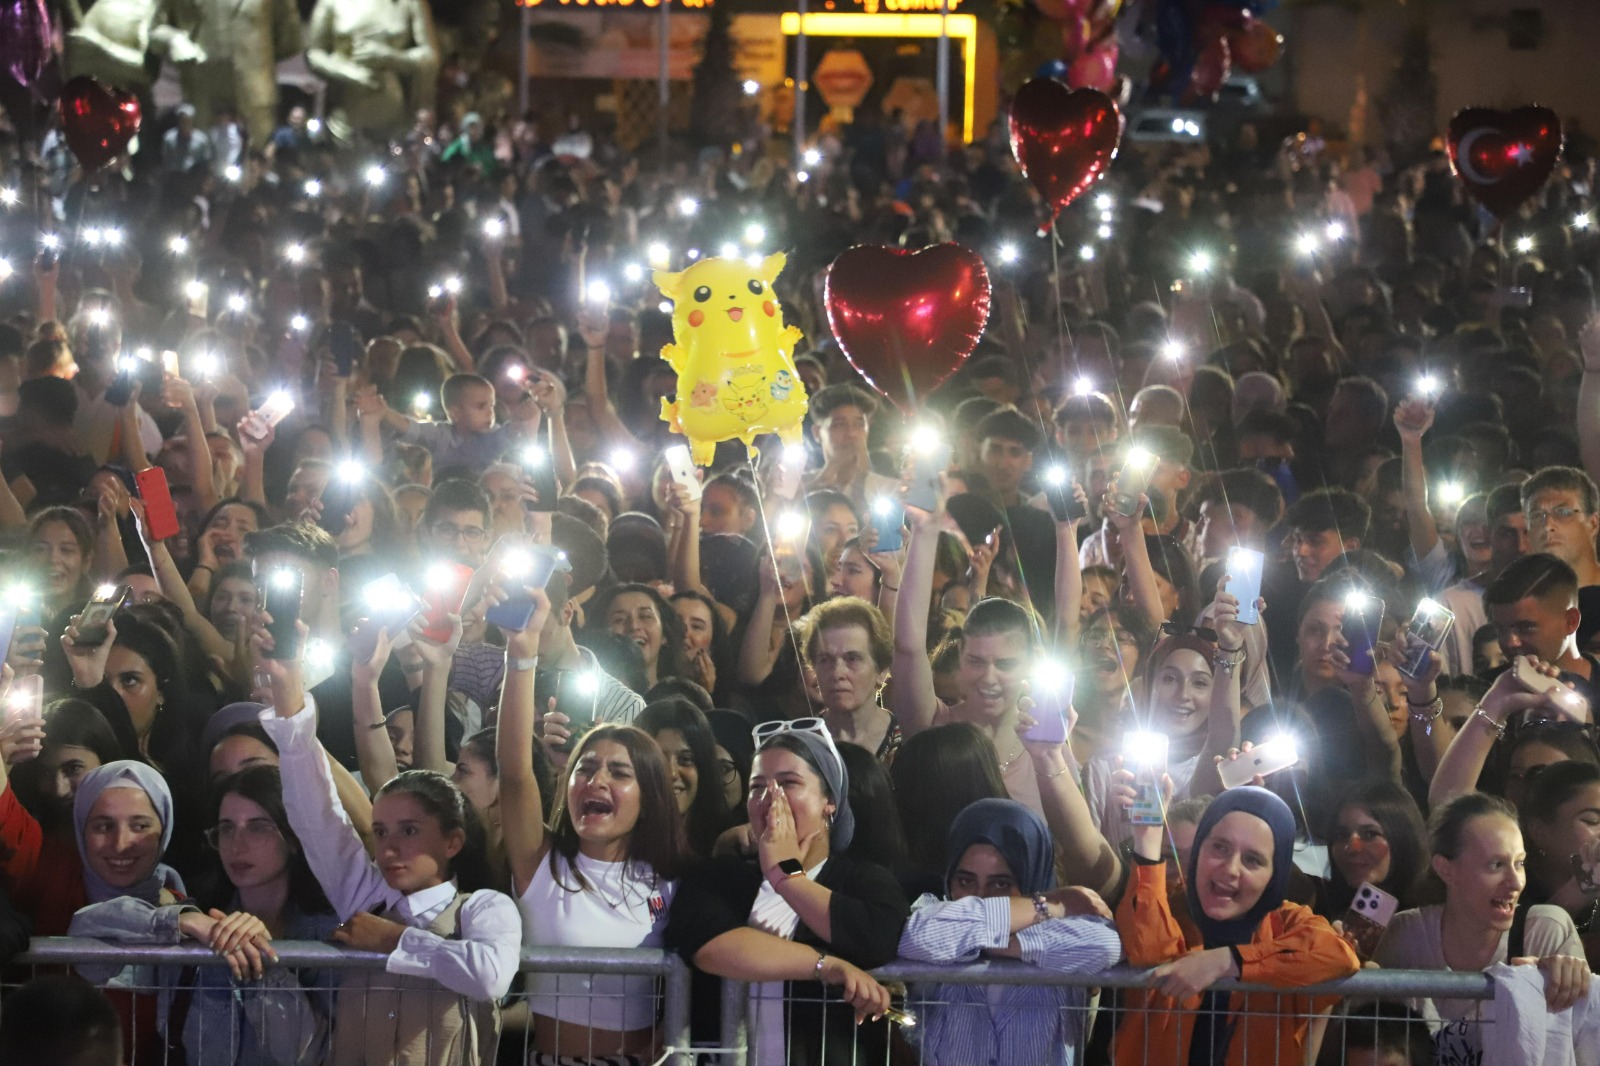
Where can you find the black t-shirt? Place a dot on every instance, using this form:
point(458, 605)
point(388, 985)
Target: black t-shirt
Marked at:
point(1589, 617)
point(867, 913)
point(1034, 532)
point(59, 476)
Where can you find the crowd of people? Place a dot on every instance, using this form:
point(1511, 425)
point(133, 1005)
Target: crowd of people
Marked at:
point(435, 652)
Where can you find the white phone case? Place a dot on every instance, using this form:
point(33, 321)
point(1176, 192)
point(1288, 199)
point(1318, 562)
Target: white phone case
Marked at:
point(1263, 759)
point(682, 469)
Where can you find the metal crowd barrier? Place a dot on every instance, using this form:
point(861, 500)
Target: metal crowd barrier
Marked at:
point(1095, 1010)
point(670, 1005)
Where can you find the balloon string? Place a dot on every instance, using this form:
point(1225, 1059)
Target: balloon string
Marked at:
point(772, 557)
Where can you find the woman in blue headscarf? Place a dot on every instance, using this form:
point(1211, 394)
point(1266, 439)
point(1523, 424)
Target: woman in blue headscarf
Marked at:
point(1237, 924)
point(999, 902)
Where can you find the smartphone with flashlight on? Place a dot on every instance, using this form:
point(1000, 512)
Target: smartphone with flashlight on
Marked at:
point(888, 520)
point(8, 631)
point(1145, 754)
point(521, 572)
point(94, 622)
point(1265, 758)
point(1058, 495)
point(281, 589)
point(274, 409)
point(681, 467)
point(1244, 582)
point(930, 456)
point(539, 467)
point(340, 497)
point(444, 587)
point(120, 391)
point(1132, 480)
point(577, 697)
point(1430, 624)
point(386, 604)
point(25, 699)
point(1363, 618)
point(344, 344)
point(1050, 689)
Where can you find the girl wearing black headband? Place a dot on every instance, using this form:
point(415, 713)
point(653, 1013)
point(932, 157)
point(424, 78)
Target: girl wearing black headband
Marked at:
point(1238, 925)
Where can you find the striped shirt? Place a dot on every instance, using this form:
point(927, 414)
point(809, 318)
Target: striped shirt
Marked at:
point(995, 1025)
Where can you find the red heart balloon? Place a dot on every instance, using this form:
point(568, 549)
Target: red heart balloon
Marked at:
point(1063, 139)
point(907, 320)
point(1504, 157)
point(98, 121)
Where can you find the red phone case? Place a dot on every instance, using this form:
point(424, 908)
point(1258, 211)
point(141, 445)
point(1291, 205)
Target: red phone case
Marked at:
point(161, 517)
point(443, 602)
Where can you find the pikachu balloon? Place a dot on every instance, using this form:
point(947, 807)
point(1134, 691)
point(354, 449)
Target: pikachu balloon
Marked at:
point(733, 355)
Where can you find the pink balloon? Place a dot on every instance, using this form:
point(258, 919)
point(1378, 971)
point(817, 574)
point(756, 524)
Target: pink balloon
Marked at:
point(1095, 69)
point(26, 40)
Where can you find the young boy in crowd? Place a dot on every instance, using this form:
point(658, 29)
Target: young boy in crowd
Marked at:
point(469, 436)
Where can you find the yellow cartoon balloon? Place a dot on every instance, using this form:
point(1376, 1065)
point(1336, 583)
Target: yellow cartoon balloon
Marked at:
point(733, 355)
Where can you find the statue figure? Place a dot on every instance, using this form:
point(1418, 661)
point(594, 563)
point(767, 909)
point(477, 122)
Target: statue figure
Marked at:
point(111, 42)
point(227, 53)
point(381, 60)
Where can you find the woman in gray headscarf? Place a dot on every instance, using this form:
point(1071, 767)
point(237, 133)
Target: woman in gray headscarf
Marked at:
point(122, 813)
point(807, 919)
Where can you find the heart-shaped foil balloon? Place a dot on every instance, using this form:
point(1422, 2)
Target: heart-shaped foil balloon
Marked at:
point(1503, 157)
point(99, 121)
point(906, 320)
point(1063, 139)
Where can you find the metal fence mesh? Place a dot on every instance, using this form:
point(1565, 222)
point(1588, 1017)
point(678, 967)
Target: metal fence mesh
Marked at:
point(181, 1006)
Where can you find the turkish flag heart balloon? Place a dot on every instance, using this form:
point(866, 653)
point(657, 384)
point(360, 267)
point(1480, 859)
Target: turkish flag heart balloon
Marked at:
point(98, 121)
point(1063, 139)
point(907, 320)
point(1503, 157)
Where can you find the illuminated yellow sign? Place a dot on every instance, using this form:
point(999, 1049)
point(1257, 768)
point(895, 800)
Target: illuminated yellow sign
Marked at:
point(963, 28)
point(872, 7)
point(688, 4)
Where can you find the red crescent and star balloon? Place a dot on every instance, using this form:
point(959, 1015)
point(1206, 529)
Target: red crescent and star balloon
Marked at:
point(907, 320)
point(1503, 158)
point(98, 121)
point(1063, 139)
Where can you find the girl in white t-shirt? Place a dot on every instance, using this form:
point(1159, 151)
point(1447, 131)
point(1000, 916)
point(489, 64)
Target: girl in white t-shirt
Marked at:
point(601, 875)
point(1478, 854)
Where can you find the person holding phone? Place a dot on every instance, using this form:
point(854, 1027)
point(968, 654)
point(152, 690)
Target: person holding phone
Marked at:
point(1242, 927)
point(402, 901)
point(38, 855)
point(642, 614)
point(601, 874)
point(1375, 837)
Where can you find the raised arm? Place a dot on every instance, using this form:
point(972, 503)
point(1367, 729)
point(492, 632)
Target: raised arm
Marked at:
point(592, 328)
point(1082, 850)
point(912, 697)
point(1463, 761)
point(1222, 723)
point(332, 846)
point(1137, 568)
point(521, 818)
point(374, 751)
point(1069, 576)
point(177, 393)
point(434, 695)
point(1431, 732)
point(758, 655)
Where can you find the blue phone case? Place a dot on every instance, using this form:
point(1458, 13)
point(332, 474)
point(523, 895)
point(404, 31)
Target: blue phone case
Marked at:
point(890, 528)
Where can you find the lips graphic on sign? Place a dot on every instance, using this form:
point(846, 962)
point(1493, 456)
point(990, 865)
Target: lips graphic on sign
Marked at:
point(843, 78)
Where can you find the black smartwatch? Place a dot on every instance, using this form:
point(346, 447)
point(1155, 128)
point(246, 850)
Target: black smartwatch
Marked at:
point(791, 868)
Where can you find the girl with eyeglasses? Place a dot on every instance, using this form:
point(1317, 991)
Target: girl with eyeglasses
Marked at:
point(601, 874)
point(804, 923)
point(259, 871)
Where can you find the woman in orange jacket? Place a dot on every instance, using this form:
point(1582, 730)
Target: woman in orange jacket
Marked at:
point(1237, 925)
